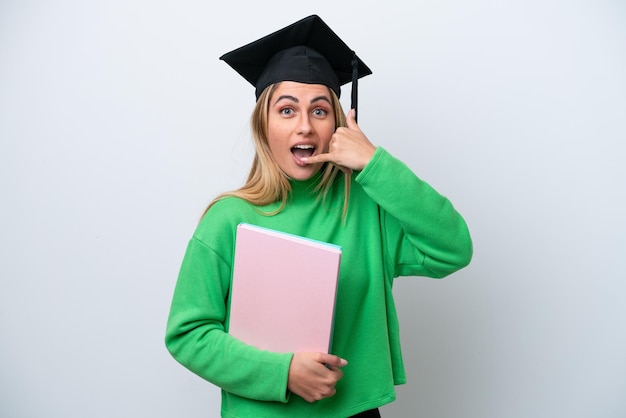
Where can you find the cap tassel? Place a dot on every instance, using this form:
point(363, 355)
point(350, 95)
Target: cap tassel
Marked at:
point(355, 81)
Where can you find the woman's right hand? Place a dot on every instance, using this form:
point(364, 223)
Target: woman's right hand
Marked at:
point(313, 376)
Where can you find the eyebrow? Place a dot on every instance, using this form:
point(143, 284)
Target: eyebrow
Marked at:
point(295, 99)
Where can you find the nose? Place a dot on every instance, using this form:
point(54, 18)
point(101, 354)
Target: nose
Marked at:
point(304, 125)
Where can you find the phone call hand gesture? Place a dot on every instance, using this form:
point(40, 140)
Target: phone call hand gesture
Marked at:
point(348, 148)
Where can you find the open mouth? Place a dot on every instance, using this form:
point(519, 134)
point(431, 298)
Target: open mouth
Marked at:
point(302, 150)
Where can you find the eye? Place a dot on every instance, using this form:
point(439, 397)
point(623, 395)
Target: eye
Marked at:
point(320, 112)
point(286, 111)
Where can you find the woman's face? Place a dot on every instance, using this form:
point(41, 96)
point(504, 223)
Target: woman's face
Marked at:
point(300, 123)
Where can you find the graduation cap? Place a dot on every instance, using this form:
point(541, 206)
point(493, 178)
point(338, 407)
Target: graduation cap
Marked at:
point(306, 51)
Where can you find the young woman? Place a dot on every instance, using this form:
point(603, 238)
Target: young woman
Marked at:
point(315, 174)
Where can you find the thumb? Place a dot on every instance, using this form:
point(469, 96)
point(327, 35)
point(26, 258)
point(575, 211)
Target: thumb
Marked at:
point(332, 360)
point(351, 120)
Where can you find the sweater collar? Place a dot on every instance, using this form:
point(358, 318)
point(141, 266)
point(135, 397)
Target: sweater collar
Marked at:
point(303, 188)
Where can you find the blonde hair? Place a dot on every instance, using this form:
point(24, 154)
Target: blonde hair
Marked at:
point(266, 182)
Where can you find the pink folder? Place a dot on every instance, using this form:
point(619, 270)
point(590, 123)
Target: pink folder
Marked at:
point(283, 291)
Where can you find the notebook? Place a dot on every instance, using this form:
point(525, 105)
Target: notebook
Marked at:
point(283, 290)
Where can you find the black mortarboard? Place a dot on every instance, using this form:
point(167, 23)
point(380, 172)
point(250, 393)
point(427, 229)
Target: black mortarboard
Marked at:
point(307, 51)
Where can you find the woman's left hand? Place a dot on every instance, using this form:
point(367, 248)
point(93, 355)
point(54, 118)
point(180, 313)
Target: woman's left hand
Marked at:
point(349, 148)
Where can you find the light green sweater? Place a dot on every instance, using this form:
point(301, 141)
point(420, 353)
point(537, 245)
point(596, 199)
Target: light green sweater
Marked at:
point(397, 225)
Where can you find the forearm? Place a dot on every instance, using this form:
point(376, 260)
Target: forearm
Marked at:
point(230, 364)
point(416, 212)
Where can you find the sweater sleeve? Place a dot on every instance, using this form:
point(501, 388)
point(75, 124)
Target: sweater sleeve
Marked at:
point(424, 234)
point(196, 336)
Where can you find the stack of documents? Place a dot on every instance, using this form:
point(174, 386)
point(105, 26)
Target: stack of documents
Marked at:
point(283, 290)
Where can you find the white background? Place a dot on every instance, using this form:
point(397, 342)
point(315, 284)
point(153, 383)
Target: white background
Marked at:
point(118, 124)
